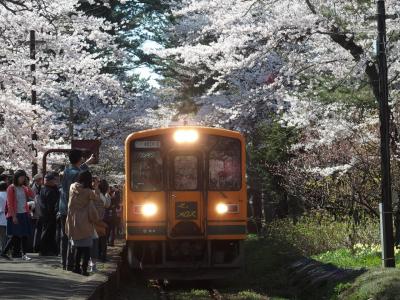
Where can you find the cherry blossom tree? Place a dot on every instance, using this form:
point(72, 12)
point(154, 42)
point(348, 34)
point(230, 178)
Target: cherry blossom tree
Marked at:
point(244, 57)
point(17, 118)
point(65, 67)
point(311, 62)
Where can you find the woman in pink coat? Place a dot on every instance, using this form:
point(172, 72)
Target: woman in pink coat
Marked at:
point(18, 219)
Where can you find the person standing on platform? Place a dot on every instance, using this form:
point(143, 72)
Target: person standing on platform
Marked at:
point(81, 220)
point(18, 219)
point(3, 220)
point(49, 198)
point(70, 176)
point(36, 225)
point(105, 197)
point(100, 226)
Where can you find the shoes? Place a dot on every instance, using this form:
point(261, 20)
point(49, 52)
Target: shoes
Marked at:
point(5, 256)
point(93, 268)
point(85, 273)
point(26, 257)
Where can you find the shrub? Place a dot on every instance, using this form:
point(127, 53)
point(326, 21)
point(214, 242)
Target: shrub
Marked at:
point(317, 233)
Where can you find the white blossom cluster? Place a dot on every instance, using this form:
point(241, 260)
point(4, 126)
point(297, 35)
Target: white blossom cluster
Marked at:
point(64, 66)
point(263, 56)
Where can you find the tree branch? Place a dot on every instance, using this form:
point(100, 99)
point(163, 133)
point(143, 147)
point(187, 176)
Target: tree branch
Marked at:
point(355, 50)
point(19, 5)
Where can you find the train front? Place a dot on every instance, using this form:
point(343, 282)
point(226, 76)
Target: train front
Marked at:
point(186, 201)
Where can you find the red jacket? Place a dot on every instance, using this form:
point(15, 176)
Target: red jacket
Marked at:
point(12, 200)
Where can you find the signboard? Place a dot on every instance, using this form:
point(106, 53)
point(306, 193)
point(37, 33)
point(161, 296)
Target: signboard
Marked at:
point(88, 147)
point(186, 210)
point(147, 144)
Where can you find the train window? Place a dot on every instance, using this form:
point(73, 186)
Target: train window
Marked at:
point(186, 172)
point(146, 170)
point(225, 164)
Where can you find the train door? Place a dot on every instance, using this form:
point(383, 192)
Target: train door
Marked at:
point(186, 169)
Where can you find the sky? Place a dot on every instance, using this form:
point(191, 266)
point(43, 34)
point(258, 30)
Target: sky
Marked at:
point(145, 72)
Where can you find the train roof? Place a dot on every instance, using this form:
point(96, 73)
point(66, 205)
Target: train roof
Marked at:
point(168, 130)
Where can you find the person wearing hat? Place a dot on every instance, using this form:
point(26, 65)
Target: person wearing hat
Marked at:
point(35, 212)
point(48, 203)
point(18, 220)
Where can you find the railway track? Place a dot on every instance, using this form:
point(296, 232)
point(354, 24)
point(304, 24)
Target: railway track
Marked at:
point(161, 287)
point(214, 294)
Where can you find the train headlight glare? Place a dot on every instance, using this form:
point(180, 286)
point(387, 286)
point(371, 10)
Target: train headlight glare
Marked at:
point(186, 136)
point(149, 209)
point(221, 208)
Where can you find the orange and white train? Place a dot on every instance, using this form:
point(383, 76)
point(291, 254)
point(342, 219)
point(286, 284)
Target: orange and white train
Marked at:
point(185, 197)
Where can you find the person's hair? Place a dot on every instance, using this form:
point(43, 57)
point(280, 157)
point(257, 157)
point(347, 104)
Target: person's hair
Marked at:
point(18, 174)
point(51, 175)
point(85, 178)
point(75, 156)
point(3, 186)
point(103, 186)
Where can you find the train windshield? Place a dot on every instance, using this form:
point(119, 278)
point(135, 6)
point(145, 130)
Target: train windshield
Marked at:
point(186, 172)
point(225, 164)
point(146, 169)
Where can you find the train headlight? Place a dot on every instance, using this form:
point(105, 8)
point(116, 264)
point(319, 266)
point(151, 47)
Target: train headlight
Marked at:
point(147, 210)
point(221, 208)
point(186, 136)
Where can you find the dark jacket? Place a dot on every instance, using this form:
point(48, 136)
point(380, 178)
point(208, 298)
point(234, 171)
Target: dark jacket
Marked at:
point(48, 202)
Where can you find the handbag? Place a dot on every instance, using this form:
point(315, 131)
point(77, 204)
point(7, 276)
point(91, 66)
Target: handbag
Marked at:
point(101, 228)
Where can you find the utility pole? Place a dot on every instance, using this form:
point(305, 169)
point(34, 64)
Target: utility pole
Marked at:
point(32, 50)
point(71, 118)
point(384, 117)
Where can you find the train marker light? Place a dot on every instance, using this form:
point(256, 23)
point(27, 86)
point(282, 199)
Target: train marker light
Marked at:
point(221, 208)
point(147, 210)
point(186, 136)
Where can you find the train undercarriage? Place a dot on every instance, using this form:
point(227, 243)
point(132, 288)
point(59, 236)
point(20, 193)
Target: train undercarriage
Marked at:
point(186, 259)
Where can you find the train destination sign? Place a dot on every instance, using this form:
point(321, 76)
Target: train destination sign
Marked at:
point(186, 210)
point(147, 144)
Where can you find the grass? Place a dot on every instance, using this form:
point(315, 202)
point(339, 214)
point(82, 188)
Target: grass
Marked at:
point(362, 256)
point(337, 243)
point(196, 294)
point(376, 284)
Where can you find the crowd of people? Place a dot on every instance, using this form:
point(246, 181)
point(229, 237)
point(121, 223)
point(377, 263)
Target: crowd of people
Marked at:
point(71, 214)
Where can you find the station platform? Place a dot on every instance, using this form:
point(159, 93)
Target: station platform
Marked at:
point(43, 278)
